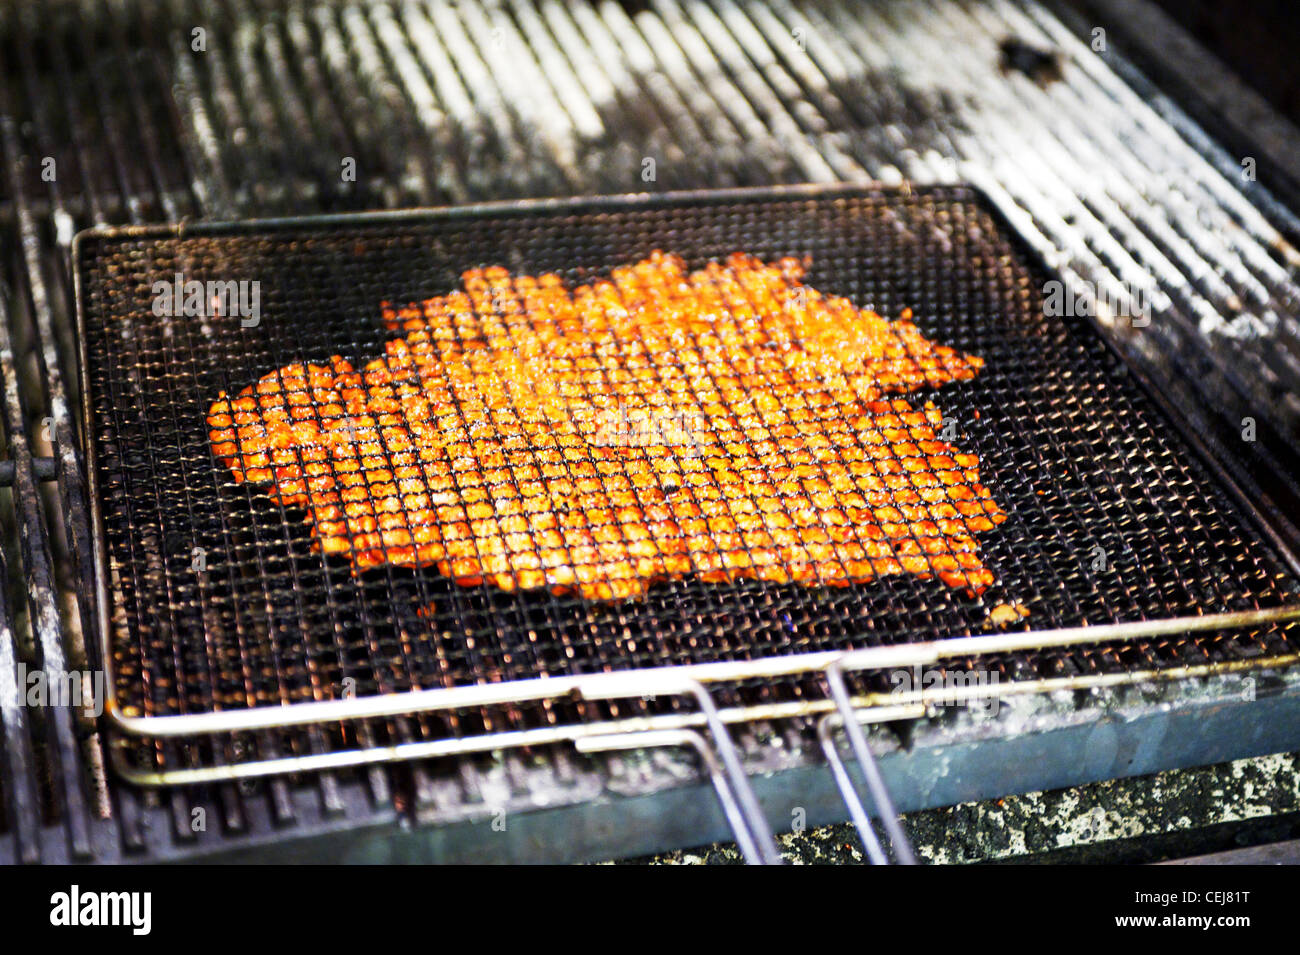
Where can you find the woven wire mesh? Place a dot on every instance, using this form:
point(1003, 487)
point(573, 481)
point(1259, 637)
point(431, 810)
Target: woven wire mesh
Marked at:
point(1070, 446)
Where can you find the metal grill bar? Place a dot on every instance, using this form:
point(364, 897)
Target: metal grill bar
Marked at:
point(754, 851)
point(758, 833)
point(20, 767)
point(884, 706)
point(861, 819)
point(884, 805)
point(41, 600)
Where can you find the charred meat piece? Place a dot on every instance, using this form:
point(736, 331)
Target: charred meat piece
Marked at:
point(724, 423)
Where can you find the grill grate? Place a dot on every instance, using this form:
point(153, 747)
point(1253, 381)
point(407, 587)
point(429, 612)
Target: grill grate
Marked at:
point(1106, 176)
point(1088, 471)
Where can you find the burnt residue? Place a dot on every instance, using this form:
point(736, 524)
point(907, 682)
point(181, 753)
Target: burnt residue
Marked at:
point(1040, 64)
point(1137, 821)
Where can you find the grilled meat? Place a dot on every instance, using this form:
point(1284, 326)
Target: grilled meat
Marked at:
point(725, 423)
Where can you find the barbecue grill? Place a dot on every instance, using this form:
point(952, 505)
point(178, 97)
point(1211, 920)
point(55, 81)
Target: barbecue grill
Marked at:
point(968, 161)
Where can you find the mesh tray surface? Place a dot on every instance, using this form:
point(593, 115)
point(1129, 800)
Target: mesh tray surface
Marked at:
point(1071, 447)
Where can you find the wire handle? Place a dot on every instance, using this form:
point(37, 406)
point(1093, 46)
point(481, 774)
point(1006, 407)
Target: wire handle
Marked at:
point(751, 843)
point(850, 719)
point(722, 760)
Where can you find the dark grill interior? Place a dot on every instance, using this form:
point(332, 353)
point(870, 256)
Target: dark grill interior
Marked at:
point(111, 113)
point(1069, 447)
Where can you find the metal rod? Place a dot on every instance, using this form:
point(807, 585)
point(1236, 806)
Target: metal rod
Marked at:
point(371, 755)
point(670, 683)
point(857, 812)
point(639, 680)
point(745, 794)
point(736, 818)
point(867, 764)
